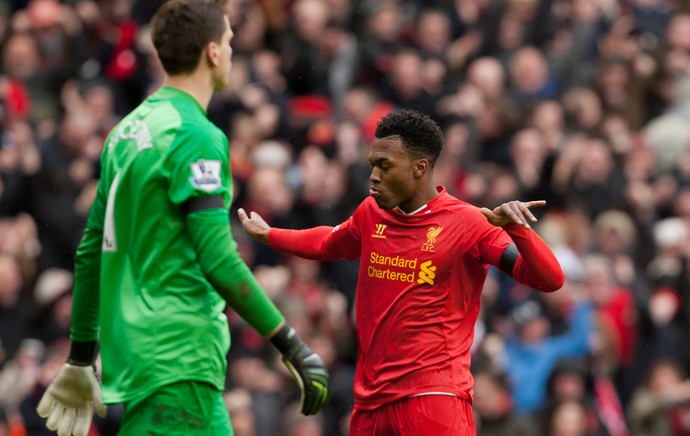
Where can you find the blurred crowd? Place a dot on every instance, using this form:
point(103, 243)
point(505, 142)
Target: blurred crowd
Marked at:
point(583, 103)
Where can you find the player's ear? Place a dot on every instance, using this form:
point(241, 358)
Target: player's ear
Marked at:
point(212, 53)
point(421, 166)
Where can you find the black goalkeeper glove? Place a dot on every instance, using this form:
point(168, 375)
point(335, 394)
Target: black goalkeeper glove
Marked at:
point(306, 368)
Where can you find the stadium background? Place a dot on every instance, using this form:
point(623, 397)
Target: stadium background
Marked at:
point(584, 103)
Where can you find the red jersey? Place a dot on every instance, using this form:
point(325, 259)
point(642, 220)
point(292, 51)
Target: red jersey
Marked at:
point(417, 300)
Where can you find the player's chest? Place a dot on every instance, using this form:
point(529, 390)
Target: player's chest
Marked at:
point(409, 253)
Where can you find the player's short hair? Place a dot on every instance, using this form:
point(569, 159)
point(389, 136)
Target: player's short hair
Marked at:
point(182, 28)
point(420, 135)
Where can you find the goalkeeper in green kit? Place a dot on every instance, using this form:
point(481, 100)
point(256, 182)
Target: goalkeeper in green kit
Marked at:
point(157, 263)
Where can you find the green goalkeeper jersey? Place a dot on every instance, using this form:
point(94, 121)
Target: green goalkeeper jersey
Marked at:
point(160, 319)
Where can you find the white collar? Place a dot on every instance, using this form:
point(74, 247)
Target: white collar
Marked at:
point(421, 208)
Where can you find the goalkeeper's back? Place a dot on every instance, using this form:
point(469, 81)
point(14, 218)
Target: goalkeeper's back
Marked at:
point(155, 301)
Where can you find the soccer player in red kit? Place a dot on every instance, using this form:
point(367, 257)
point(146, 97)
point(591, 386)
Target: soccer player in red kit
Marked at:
point(424, 258)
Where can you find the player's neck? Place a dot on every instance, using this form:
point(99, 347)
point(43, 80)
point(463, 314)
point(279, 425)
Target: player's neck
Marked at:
point(197, 84)
point(421, 198)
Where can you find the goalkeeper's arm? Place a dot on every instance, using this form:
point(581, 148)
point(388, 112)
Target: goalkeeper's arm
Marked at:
point(70, 399)
point(209, 229)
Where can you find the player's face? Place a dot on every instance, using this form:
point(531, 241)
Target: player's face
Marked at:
point(221, 74)
point(392, 176)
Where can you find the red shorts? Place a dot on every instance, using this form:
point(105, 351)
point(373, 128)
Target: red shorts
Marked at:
point(435, 415)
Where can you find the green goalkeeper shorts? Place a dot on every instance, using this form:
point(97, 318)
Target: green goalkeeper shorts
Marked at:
point(186, 408)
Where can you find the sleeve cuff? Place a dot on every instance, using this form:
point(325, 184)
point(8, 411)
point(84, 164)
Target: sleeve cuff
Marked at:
point(82, 353)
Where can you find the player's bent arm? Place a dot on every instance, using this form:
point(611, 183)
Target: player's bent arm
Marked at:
point(530, 261)
point(232, 278)
point(217, 254)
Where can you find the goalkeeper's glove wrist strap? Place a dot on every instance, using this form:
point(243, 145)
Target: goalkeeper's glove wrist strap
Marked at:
point(286, 339)
point(82, 353)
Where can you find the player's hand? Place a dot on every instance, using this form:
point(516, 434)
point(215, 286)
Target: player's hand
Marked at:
point(69, 401)
point(311, 375)
point(305, 366)
point(512, 212)
point(254, 225)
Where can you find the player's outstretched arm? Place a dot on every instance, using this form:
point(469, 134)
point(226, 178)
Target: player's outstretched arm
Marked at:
point(306, 368)
point(318, 243)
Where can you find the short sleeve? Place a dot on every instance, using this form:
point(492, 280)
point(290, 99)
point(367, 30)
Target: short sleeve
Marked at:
point(198, 165)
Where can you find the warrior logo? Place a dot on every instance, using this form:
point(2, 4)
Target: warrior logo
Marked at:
point(380, 228)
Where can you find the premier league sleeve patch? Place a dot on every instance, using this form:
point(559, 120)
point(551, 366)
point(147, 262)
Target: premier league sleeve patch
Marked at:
point(205, 175)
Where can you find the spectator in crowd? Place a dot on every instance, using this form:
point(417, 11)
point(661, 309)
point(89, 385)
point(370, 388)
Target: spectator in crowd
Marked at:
point(380, 39)
point(404, 86)
point(18, 375)
point(660, 405)
point(661, 332)
point(14, 313)
point(53, 298)
point(239, 404)
point(573, 381)
point(529, 153)
point(532, 354)
point(494, 408)
point(614, 303)
point(530, 77)
point(487, 74)
point(567, 418)
point(616, 238)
